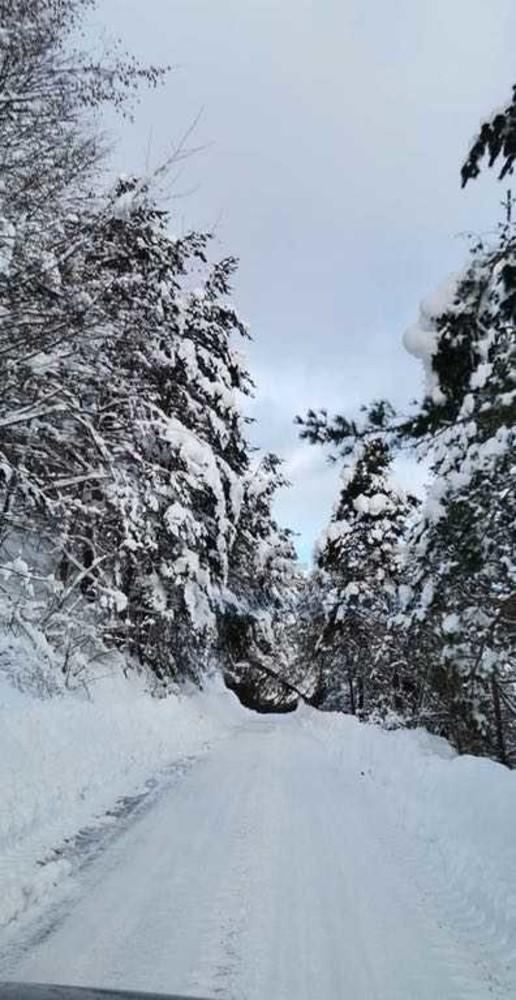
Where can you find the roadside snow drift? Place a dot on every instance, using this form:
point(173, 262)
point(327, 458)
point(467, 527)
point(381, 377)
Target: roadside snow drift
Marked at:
point(65, 760)
point(455, 816)
point(305, 856)
point(392, 855)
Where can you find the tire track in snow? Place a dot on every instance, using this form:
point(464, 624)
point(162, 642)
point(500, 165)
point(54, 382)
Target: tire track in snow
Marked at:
point(266, 872)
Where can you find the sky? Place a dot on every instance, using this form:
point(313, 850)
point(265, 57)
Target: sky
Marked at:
point(329, 138)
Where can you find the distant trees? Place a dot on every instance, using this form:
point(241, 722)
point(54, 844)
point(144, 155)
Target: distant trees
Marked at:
point(358, 564)
point(257, 637)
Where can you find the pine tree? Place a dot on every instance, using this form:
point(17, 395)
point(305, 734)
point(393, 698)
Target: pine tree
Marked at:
point(256, 629)
point(159, 382)
point(359, 566)
point(497, 138)
point(463, 574)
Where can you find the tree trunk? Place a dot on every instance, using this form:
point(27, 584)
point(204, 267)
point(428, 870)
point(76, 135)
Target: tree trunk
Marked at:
point(351, 697)
point(361, 696)
point(500, 741)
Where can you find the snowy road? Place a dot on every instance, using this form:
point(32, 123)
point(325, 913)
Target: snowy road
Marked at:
point(264, 872)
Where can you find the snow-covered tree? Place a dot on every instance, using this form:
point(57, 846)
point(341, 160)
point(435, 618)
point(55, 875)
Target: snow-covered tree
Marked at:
point(122, 445)
point(463, 571)
point(496, 139)
point(358, 566)
point(49, 151)
point(187, 434)
point(48, 154)
point(156, 383)
point(256, 628)
point(459, 583)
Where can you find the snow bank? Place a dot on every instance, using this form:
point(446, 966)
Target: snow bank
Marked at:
point(453, 817)
point(66, 759)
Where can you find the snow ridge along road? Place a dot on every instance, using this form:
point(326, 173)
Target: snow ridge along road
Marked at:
point(268, 871)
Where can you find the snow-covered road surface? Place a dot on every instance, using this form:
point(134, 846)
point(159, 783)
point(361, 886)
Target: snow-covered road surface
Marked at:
point(265, 871)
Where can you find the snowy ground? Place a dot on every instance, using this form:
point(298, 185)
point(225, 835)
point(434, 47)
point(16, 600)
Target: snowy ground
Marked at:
point(301, 856)
point(72, 763)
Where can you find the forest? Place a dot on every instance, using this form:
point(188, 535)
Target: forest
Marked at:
point(138, 527)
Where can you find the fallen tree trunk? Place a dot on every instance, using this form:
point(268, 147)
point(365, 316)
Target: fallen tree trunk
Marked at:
point(242, 679)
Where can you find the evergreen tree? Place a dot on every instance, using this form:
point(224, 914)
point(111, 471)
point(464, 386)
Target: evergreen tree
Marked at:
point(459, 578)
point(497, 138)
point(122, 445)
point(256, 641)
point(151, 396)
point(463, 574)
point(359, 566)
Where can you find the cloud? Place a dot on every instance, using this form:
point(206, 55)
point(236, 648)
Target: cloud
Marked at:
point(334, 136)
